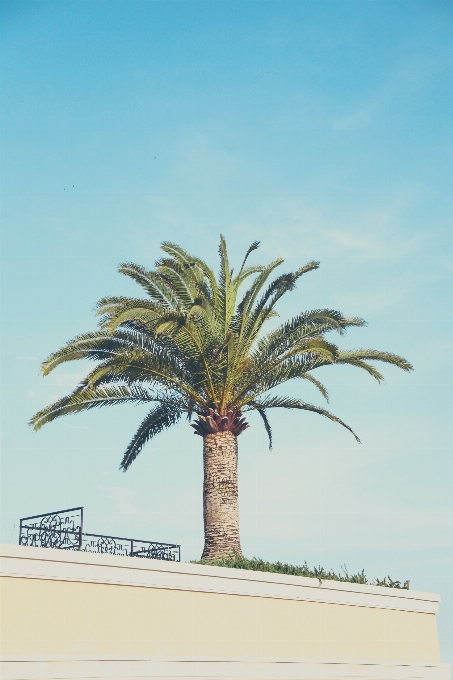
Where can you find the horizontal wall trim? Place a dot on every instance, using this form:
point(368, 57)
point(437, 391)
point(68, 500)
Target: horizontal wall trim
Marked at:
point(68, 565)
point(218, 669)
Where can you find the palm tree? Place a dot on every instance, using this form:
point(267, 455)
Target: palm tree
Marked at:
point(195, 346)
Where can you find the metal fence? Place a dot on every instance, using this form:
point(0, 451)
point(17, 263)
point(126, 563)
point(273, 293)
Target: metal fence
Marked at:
point(64, 529)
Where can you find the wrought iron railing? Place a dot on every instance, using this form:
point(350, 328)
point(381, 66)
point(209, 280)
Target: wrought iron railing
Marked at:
point(64, 529)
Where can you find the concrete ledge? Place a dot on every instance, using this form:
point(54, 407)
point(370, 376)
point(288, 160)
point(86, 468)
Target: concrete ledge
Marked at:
point(217, 669)
point(69, 565)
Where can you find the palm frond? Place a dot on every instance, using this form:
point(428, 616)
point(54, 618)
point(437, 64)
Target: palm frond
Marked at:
point(176, 282)
point(157, 370)
point(254, 246)
point(267, 425)
point(316, 383)
point(226, 299)
point(374, 355)
point(160, 418)
point(96, 346)
point(369, 368)
point(140, 316)
point(266, 375)
point(110, 308)
point(151, 282)
point(290, 403)
point(193, 265)
point(307, 324)
point(86, 399)
point(264, 309)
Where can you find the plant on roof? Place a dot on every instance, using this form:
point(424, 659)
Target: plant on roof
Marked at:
point(196, 346)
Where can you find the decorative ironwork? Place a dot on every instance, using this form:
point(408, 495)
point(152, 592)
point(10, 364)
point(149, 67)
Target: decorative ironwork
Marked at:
point(61, 529)
point(64, 529)
point(114, 545)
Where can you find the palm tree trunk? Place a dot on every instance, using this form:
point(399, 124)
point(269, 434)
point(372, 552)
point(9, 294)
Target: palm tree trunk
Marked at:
point(220, 496)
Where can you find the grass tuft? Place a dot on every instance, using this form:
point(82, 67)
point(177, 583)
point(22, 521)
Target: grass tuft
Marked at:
point(257, 564)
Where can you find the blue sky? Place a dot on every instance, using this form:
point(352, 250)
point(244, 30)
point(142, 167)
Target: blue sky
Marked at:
point(322, 129)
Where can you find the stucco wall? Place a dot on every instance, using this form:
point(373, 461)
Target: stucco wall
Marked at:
point(67, 605)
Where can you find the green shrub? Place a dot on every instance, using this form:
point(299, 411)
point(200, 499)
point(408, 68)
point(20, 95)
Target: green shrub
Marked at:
point(256, 564)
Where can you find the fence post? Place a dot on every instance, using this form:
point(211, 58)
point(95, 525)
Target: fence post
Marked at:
point(80, 529)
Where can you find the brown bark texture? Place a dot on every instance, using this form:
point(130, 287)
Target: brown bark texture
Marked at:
point(220, 496)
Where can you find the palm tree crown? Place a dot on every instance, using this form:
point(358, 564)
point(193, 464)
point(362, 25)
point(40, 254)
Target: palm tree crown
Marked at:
point(195, 345)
